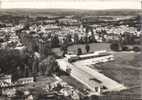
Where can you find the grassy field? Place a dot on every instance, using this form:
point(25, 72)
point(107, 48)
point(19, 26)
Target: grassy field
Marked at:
point(93, 47)
point(123, 72)
point(120, 70)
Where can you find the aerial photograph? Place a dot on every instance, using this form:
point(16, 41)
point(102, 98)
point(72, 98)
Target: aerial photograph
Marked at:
point(70, 49)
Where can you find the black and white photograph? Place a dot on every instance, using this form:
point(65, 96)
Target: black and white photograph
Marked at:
point(70, 49)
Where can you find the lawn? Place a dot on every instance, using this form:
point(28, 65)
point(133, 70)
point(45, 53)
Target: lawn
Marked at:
point(93, 47)
point(123, 72)
point(120, 70)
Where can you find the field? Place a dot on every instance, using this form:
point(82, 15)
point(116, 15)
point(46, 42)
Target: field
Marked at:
point(122, 71)
point(93, 47)
point(119, 70)
point(62, 12)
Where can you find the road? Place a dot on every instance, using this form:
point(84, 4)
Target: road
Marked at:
point(83, 73)
point(107, 82)
point(78, 74)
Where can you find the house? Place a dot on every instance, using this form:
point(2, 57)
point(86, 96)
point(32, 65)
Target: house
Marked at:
point(6, 78)
point(26, 80)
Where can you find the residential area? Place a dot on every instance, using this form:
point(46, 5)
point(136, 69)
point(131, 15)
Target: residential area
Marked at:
point(70, 56)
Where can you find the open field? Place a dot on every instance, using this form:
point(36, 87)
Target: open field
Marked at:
point(119, 70)
point(62, 12)
point(93, 47)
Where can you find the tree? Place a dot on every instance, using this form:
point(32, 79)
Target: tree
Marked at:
point(64, 47)
point(10, 59)
point(76, 38)
point(92, 36)
point(55, 41)
point(87, 47)
point(44, 48)
point(49, 66)
point(69, 39)
point(35, 64)
point(116, 46)
point(48, 48)
point(139, 21)
point(79, 51)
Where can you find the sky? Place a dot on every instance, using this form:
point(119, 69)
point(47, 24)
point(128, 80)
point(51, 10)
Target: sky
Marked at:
point(72, 4)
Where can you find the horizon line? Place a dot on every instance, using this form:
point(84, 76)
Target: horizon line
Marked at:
point(66, 9)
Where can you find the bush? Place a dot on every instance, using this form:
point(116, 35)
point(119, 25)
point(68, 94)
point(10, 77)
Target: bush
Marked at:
point(125, 48)
point(136, 49)
point(114, 46)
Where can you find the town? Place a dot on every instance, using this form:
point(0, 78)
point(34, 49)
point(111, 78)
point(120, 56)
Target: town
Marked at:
point(70, 56)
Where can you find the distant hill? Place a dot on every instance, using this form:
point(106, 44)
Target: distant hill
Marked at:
point(77, 12)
